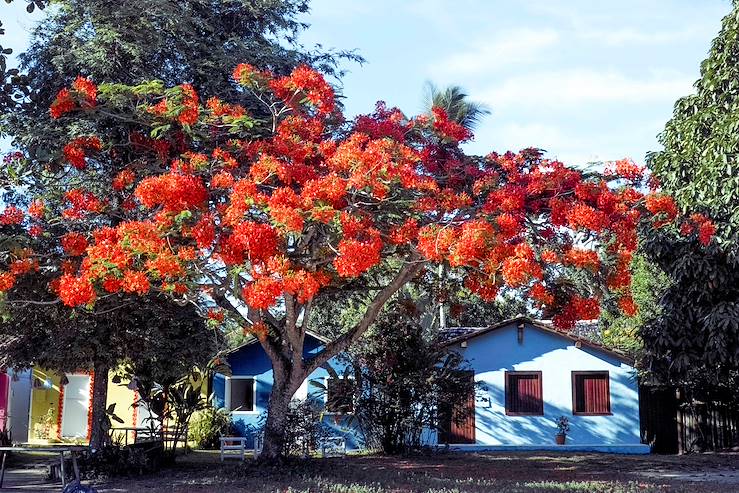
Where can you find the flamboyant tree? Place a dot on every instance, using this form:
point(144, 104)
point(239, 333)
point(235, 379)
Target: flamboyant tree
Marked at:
point(256, 220)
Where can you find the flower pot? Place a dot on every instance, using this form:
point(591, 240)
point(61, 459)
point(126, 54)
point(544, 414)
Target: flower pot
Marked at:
point(560, 438)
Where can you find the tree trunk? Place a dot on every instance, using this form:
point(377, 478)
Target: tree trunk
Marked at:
point(99, 422)
point(285, 386)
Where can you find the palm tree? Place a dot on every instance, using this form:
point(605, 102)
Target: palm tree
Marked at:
point(455, 102)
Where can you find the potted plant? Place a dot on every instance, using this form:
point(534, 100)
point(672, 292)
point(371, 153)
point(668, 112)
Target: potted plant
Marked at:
point(563, 427)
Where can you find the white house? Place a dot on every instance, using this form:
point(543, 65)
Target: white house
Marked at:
point(528, 375)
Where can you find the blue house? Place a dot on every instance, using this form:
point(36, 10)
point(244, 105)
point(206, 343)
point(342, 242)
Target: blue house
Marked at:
point(245, 393)
point(528, 375)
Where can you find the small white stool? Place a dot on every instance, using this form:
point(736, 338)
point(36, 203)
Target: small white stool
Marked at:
point(233, 447)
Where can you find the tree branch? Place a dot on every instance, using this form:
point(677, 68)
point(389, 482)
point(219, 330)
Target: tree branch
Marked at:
point(343, 342)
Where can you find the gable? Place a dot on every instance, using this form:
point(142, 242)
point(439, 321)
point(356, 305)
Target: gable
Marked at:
point(251, 359)
point(529, 339)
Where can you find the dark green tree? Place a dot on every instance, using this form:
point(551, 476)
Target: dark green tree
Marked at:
point(176, 41)
point(694, 340)
point(401, 373)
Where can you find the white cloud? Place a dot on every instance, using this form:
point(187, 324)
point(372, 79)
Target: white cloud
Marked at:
point(623, 36)
point(581, 86)
point(507, 48)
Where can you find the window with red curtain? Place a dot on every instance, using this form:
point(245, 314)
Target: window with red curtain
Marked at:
point(523, 393)
point(591, 395)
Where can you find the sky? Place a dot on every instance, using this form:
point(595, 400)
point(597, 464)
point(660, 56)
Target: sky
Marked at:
point(586, 80)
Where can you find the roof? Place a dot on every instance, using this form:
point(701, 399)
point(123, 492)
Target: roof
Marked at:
point(456, 335)
point(253, 339)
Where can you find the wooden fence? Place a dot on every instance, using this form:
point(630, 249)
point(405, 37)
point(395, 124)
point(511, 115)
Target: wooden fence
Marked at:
point(672, 424)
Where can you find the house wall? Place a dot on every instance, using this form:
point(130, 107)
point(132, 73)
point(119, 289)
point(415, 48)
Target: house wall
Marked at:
point(19, 400)
point(252, 361)
point(498, 351)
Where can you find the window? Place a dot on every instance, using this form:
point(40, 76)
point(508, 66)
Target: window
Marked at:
point(339, 395)
point(242, 394)
point(591, 394)
point(523, 393)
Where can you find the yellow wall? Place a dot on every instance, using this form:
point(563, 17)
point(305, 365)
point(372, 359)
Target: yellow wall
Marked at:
point(123, 398)
point(43, 399)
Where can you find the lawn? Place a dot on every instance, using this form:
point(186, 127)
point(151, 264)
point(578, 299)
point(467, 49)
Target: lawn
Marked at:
point(450, 473)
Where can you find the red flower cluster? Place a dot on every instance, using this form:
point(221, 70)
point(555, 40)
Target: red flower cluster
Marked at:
point(625, 168)
point(76, 291)
point(190, 109)
point(663, 208)
point(123, 180)
point(702, 225)
point(447, 128)
point(175, 192)
point(303, 82)
point(135, 282)
point(582, 259)
point(75, 151)
point(74, 244)
point(11, 215)
point(37, 209)
point(357, 256)
point(262, 293)
point(7, 281)
point(82, 95)
point(81, 203)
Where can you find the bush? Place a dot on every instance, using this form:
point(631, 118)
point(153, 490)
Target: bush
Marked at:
point(208, 426)
point(112, 460)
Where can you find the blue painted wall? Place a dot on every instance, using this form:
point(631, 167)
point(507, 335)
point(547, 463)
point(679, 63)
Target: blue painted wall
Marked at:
point(498, 351)
point(252, 361)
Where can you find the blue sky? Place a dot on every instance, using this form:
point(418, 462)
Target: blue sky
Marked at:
point(585, 80)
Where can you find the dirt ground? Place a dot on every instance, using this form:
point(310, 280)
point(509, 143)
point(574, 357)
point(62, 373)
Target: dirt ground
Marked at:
point(452, 473)
point(443, 473)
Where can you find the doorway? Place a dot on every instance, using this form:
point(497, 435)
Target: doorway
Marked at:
point(76, 406)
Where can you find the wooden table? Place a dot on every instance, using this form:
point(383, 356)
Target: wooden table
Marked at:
point(55, 450)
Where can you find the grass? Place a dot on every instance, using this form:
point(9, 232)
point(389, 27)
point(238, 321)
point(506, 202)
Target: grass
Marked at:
point(449, 473)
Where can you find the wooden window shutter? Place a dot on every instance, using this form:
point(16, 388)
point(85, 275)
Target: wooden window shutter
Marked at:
point(523, 393)
point(591, 395)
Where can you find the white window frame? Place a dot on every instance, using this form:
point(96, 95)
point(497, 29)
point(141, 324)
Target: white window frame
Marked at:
point(227, 396)
point(325, 396)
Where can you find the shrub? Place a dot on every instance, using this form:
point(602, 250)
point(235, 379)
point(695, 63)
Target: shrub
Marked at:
point(208, 426)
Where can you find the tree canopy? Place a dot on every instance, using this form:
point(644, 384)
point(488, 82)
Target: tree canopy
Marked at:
point(694, 340)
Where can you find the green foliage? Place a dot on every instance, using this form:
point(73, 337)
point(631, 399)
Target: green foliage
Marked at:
point(693, 339)
point(699, 164)
point(208, 426)
point(402, 373)
point(648, 283)
point(196, 41)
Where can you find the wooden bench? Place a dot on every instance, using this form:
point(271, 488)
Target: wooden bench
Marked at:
point(233, 447)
